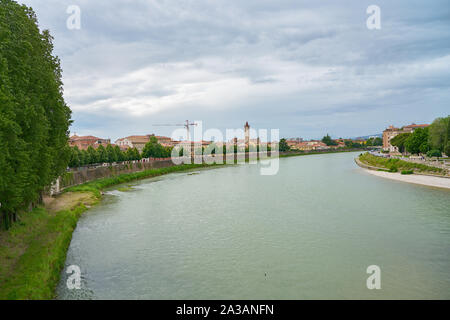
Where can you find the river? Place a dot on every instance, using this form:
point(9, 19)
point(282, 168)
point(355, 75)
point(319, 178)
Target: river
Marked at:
point(309, 232)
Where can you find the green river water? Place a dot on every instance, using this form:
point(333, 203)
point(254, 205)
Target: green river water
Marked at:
point(309, 232)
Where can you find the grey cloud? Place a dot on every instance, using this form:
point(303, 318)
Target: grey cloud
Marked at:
point(305, 67)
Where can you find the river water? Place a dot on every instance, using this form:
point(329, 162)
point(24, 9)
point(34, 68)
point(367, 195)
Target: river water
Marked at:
point(309, 232)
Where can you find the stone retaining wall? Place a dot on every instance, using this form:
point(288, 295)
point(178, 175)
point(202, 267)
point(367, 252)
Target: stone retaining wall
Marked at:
point(85, 174)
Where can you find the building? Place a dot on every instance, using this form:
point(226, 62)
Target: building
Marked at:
point(308, 145)
point(247, 141)
point(294, 144)
point(83, 142)
point(137, 142)
point(392, 131)
point(247, 134)
point(165, 141)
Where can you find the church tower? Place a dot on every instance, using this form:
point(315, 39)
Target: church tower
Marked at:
point(247, 134)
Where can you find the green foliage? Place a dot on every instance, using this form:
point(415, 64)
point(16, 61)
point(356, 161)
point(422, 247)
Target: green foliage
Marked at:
point(34, 118)
point(328, 141)
point(417, 141)
point(102, 155)
point(393, 165)
point(399, 141)
point(393, 168)
point(434, 153)
point(66, 178)
point(283, 146)
point(155, 150)
point(92, 155)
point(111, 154)
point(119, 154)
point(374, 142)
point(439, 135)
point(132, 154)
point(75, 157)
point(97, 185)
point(407, 172)
point(352, 144)
point(46, 238)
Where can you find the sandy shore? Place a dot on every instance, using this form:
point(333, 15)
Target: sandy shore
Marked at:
point(414, 178)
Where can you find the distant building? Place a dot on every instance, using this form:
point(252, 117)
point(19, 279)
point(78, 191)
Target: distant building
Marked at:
point(392, 131)
point(165, 141)
point(137, 142)
point(83, 142)
point(247, 141)
point(308, 145)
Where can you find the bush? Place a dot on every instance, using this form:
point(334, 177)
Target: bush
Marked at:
point(393, 165)
point(407, 171)
point(434, 153)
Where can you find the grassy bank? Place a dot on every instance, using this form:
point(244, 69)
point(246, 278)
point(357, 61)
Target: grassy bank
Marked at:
point(305, 153)
point(395, 165)
point(33, 252)
point(97, 185)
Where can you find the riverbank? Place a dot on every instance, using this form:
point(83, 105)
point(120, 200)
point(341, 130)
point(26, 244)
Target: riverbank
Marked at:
point(312, 152)
point(33, 251)
point(426, 179)
point(438, 182)
point(395, 165)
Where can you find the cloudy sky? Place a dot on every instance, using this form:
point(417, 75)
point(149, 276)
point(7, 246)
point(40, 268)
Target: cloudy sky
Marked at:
point(305, 67)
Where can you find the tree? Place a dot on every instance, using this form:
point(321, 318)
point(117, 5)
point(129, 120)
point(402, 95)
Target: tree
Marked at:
point(283, 146)
point(399, 141)
point(417, 141)
point(136, 154)
point(84, 158)
point(93, 156)
point(102, 155)
point(111, 154)
point(34, 119)
point(328, 141)
point(119, 154)
point(74, 157)
point(133, 154)
point(434, 153)
point(377, 141)
point(153, 149)
point(439, 134)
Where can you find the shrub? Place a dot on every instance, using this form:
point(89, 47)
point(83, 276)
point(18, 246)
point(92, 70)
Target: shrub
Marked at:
point(434, 153)
point(407, 171)
point(393, 165)
point(393, 169)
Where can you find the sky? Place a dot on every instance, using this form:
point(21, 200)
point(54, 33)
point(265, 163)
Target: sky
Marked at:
point(307, 68)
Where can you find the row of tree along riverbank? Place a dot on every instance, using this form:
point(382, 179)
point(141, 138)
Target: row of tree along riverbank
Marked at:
point(85, 174)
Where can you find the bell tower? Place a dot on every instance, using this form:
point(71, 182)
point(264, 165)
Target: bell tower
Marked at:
point(247, 134)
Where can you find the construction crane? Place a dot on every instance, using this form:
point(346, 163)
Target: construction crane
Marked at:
point(187, 125)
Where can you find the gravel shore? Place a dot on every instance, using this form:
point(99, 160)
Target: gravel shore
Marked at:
point(414, 178)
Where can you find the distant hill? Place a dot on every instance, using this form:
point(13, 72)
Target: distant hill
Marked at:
point(379, 135)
